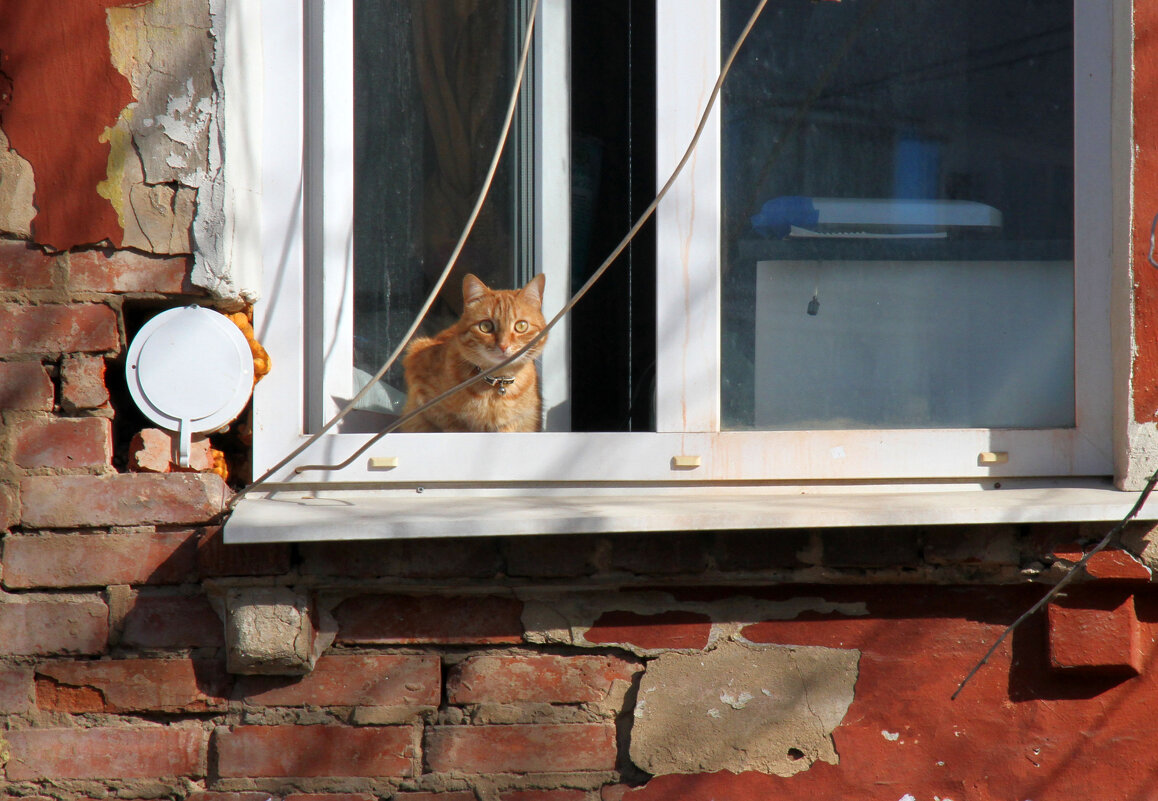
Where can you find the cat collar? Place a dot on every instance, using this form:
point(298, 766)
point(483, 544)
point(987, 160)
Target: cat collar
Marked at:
point(498, 382)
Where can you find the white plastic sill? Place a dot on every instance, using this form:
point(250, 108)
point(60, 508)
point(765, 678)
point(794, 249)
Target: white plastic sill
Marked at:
point(300, 516)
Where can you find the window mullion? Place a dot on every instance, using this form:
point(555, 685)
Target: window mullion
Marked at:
point(688, 220)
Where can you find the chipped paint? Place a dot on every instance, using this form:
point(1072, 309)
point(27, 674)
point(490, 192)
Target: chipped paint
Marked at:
point(17, 188)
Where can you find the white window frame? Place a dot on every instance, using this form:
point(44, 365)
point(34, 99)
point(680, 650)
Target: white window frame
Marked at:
point(687, 452)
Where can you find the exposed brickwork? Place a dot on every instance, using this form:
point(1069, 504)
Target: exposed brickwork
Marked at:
point(25, 385)
point(171, 621)
point(63, 442)
point(122, 500)
point(429, 619)
point(128, 271)
point(54, 627)
point(135, 685)
point(82, 383)
point(1109, 564)
point(521, 749)
point(98, 560)
point(1095, 633)
point(24, 266)
point(264, 751)
point(55, 328)
point(106, 753)
point(471, 558)
point(544, 678)
point(392, 680)
point(15, 690)
point(216, 559)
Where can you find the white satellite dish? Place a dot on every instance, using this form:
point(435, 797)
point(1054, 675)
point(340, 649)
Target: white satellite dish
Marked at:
point(190, 370)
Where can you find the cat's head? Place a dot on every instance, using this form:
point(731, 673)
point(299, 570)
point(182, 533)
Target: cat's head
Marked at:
point(498, 322)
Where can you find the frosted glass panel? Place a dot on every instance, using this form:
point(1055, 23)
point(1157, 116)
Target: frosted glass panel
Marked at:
point(898, 215)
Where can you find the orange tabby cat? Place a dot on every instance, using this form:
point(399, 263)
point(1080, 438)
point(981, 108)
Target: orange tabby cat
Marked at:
point(494, 325)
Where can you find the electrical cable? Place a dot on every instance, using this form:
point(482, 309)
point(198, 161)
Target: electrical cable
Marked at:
point(582, 291)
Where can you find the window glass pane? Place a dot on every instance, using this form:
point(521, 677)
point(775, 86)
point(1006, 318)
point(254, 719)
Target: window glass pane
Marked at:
point(898, 215)
point(432, 80)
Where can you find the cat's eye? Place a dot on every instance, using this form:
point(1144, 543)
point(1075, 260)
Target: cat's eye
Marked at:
point(486, 326)
point(521, 326)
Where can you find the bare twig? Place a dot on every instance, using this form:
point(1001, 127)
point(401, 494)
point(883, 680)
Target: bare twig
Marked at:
point(1066, 579)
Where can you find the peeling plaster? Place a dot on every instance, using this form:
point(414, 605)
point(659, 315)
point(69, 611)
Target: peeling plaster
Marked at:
point(17, 188)
point(742, 708)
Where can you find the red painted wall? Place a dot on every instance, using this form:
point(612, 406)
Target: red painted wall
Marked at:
point(1145, 209)
point(64, 93)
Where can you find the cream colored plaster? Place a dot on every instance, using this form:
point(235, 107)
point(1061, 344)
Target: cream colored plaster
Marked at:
point(17, 185)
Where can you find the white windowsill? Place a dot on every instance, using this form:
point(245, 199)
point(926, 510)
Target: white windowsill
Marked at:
point(296, 515)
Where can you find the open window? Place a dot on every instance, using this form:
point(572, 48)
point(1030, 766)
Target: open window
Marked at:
point(887, 260)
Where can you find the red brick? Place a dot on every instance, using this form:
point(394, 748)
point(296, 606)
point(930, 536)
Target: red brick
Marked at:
point(9, 506)
point(25, 385)
point(122, 500)
point(335, 797)
point(673, 629)
point(99, 560)
point(82, 383)
point(1112, 563)
point(133, 685)
point(239, 796)
point(24, 266)
point(105, 753)
point(52, 627)
point(537, 748)
point(476, 557)
point(1095, 634)
point(457, 795)
point(543, 679)
point(57, 328)
point(15, 690)
point(172, 621)
point(64, 442)
point(304, 751)
point(215, 558)
point(128, 271)
point(544, 795)
point(388, 680)
point(399, 619)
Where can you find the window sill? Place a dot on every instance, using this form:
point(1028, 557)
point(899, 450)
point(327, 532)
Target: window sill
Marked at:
point(300, 516)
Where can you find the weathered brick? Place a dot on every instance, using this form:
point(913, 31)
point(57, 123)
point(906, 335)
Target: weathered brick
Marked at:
point(171, 621)
point(546, 678)
point(760, 550)
point(1092, 630)
point(64, 442)
point(223, 796)
point(24, 266)
point(133, 685)
point(1109, 564)
point(543, 795)
point(82, 383)
point(215, 558)
point(57, 328)
point(9, 506)
point(305, 751)
point(15, 690)
point(129, 271)
point(475, 557)
point(122, 500)
point(25, 385)
point(659, 554)
point(552, 556)
point(535, 748)
point(54, 627)
point(399, 619)
point(868, 547)
point(100, 560)
point(663, 630)
point(106, 753)
point(454, 795)
point(387, 680)
point(335, 797)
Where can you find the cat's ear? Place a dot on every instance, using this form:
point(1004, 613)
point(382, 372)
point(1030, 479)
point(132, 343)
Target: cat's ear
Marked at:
point(533, 291)
point(472, 289)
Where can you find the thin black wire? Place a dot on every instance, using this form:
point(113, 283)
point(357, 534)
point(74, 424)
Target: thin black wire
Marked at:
point(1066, 579)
